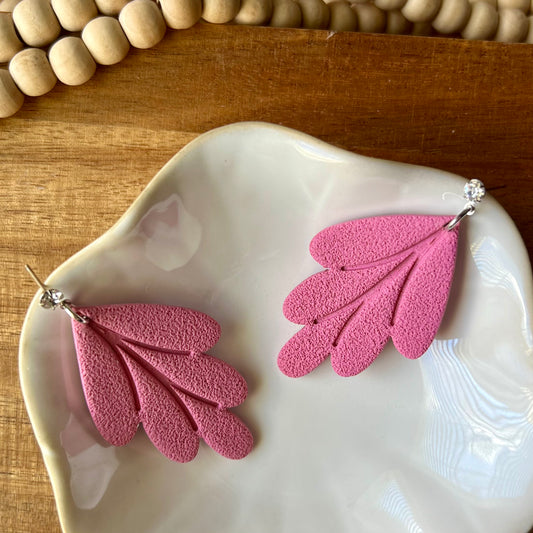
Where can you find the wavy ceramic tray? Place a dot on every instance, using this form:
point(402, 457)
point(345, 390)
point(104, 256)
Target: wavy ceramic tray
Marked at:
point(441, 444)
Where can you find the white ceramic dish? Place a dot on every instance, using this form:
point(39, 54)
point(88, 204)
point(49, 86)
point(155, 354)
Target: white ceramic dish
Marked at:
point(441, 444)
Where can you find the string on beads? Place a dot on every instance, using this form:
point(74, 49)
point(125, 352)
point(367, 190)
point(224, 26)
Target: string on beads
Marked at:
point(102, 31)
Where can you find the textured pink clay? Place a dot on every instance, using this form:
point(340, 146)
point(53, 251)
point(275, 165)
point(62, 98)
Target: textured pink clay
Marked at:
point(142, 363)
point(387, 277)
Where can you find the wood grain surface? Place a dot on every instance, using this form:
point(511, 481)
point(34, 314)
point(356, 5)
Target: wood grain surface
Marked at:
point(73, 160)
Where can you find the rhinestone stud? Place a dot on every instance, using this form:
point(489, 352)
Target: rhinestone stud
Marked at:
point(474, 191)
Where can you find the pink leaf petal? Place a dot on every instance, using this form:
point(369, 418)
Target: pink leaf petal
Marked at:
point(164, 416)
point(221, 429)
point(423, 301)
point(202, 375)
point(330, 290)
point(367, 240)
point(310, 346)
point(368, 329)
point(162, 326)
point(108, 390)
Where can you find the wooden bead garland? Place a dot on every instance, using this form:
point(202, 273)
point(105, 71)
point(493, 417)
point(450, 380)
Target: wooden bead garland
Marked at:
point(143, 23)
point(31, 71)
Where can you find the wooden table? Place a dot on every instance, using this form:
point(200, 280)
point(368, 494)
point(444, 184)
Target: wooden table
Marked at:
point(74, 160)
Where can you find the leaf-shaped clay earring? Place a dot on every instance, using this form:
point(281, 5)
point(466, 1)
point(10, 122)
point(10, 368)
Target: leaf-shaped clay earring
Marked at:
point(387, 276)
point(143, 363)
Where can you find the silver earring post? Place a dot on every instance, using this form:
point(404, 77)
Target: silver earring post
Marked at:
point(474, 192)
point(52, 298)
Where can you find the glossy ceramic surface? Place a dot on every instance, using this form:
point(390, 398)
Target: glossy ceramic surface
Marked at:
point(440, 444)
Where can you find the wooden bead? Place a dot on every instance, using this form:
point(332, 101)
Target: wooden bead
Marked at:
point(523, 5)
point(31, 71)
point(9, 42)
point(181, 14)
point(7, 6)
point(452, 17)
point(512, 27)
point(421, 10)
point(110, 7)
point(71, 61)
point(315, 14)
point(342, 17)
point(389, 5)
point(105, 40)
point(220, 11)
point(11, 99)
point(254, 12)
point(74, 14)
point(143, 23)
point(482, 23)
point(36, 22)
point(370, 18)
point(286, 14)
point(397, 24)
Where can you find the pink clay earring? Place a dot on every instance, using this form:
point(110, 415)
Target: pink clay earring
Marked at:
point(144, 363)
point(386, 276)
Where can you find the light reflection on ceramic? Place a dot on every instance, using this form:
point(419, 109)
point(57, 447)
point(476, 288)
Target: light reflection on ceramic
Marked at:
point(92, 464)
point(436, 445)
point(171, 234)
point(485, 253)
point(385, 507)
point(479, 442)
